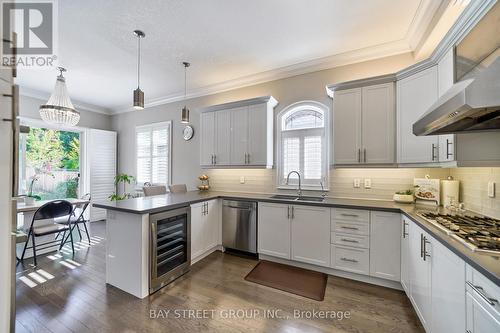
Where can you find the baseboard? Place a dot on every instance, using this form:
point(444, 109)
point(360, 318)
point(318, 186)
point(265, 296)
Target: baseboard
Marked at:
point(206, 253)
point(336, 272)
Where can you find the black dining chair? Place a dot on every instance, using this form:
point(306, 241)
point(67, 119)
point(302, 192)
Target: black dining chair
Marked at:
point(50, 210)
point(77, 219)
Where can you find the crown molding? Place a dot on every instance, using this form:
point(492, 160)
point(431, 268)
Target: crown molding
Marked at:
point(360, 83)
point(462, 26)
point(426, 17)
point(270, 100)
point(38, 94)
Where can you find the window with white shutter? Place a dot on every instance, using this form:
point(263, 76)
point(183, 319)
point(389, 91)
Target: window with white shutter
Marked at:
point(303, 144)
point(153, 147)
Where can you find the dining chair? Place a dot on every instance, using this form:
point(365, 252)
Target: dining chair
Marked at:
point(50, 210)
point(77, 219)
point(154, 190)
point(177, 188)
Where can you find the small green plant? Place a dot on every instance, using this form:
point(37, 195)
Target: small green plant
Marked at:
point(407, 192)
point(124, 179)
point(30, 190)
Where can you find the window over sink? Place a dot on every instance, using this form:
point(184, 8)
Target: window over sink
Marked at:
point(303, 129)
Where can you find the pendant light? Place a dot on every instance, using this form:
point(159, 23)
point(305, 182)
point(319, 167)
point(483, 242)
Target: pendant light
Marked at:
point(59, 110)
point(138, 93)
point(185, 110)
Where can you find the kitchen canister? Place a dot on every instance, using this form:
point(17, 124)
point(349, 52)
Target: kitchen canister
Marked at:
point(450, 192)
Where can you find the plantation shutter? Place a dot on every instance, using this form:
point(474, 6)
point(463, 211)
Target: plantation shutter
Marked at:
point(153, 153)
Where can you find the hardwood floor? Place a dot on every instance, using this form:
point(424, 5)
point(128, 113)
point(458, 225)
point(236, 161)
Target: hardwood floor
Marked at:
point(65, 294)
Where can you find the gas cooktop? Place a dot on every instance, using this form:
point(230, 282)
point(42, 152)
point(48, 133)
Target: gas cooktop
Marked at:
point(479, 233)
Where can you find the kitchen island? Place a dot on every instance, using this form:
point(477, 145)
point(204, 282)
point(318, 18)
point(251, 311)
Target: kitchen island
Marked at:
point(129, 231)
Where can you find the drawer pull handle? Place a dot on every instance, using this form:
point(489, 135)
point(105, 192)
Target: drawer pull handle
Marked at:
point(349, 240)
point(480, 291)
point(347, 259)
point(350, 215)
point(350, 228)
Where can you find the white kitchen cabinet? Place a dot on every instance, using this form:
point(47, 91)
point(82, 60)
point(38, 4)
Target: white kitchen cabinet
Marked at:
point(222, 137)
point(205, 227)
point(378, 119)
point(446, 78)
point(310, 235)
point(385, 245)
point(415, 94)
point(350, 259)
point(238, 134)
point(405, 254)
point(347, 126)
point(479, 318)
point(207, 138)
point(274, 230)
point(364, 125)
point(260, 135)
point(448, 285)
point(420, 274)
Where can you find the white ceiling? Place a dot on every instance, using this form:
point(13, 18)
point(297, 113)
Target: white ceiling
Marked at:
point(229, 43)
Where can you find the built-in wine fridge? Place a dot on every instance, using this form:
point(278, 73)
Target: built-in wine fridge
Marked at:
point(170, 251)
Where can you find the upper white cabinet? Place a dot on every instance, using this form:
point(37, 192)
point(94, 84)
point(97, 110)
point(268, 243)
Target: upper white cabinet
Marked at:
point(385, 245)
point(364, 123)
point(238, 134)
point(415, 94)
point(446, 79)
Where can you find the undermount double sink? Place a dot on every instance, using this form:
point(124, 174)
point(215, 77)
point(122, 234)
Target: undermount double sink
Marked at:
point(297, 198)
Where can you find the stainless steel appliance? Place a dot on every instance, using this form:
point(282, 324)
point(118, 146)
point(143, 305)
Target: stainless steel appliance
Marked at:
point(479, 233)
point(170, 246)
point(239, 225)
point(473, 102)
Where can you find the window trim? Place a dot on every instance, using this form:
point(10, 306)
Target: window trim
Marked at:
point(152, 126)
point(280, 135)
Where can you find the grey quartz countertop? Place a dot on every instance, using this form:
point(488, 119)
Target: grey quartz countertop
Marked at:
point(487, 264)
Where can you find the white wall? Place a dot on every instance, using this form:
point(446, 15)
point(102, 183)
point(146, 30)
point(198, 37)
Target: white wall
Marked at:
point(185, 163)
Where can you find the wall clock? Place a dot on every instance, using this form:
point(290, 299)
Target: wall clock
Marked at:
point(187, 132)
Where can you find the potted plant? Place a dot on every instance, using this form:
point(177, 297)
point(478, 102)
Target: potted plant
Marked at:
point(124, 179)
point(404, 196)
point(30, 197)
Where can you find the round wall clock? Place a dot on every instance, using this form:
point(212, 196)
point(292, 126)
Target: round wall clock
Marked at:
point(187, 132)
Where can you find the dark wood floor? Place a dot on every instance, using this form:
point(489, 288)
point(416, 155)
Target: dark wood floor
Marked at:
point(66, 294)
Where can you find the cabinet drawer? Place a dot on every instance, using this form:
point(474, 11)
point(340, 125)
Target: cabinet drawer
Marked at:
point(481, 287)
point(356, 215)
point(360, 241)
point(350, 259)
point(351, 228)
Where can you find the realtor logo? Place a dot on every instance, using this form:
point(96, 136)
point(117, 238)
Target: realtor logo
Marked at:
point(33, 25)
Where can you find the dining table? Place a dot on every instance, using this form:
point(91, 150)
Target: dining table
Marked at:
point(25, 213)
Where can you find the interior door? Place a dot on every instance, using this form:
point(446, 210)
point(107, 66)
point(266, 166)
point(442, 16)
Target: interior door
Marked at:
point(223, 137)
point(347, 126)
point(415, 94)
point(207, 146)
point(378, 124)
point(257, 135)
point(239, 136)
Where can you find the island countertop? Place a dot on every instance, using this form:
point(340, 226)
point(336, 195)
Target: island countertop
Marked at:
point(487, 264)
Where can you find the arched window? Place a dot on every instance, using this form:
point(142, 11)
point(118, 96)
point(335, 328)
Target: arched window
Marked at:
point(303, 130)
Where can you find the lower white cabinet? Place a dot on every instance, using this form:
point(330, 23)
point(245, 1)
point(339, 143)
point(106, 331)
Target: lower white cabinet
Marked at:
point(420, 273)
point(273, 230)
point(448, 297)
point(205, 227)
point(310, 235)
point(350, 259)
point(405, 254)
point(297, 232)
point(385, 245)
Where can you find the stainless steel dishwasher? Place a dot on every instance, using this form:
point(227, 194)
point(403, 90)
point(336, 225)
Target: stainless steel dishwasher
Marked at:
point(239, 225)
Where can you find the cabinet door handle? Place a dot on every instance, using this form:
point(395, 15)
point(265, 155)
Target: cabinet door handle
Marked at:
point(215, 159)
point(248, 158)
point(480, 291)
point(350, 228)
point(293, 212)
point(288, 212)
point(421, 245)
point(350, 215)
point(448, 143)
point(364, 155)
point(433, 149)
point(245, 158)
point(347, 259)
point(425, 254)
point(349, 240)
point(359, 155)
point(404, 229)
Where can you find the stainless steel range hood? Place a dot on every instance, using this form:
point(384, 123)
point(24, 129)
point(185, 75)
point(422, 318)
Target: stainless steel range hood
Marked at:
point(470, 105)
